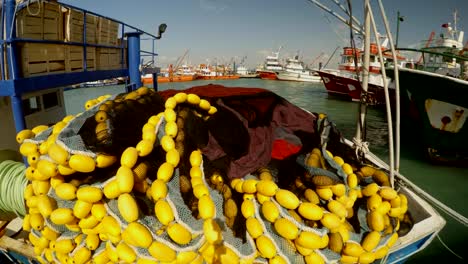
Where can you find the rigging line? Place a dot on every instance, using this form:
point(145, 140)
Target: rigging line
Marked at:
point(39, 5)
point(391, 145)
point(397, 89)
point(356, 21)
point(333, 28)
point(329, 59)
point(446, 247)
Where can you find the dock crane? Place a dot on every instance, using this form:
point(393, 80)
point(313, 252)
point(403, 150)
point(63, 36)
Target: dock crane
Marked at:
point(177, 63)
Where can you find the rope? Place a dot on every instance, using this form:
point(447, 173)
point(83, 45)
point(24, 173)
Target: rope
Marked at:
point(12, 185)
point(39, 4)
point(362, 147)
point(451, 251)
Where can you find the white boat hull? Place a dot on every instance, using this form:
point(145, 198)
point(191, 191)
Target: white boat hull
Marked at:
point(427, 221)
point(298, 77)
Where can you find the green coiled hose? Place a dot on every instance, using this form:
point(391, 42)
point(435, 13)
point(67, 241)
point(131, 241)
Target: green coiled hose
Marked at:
point(12, 185)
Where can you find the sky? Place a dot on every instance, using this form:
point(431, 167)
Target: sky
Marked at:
point(223, 31)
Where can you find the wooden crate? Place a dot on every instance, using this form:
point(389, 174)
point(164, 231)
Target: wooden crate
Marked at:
point(41, 59)
point(107, 32)
point(74, 22)
point(42, 21)
point(75, 58)
point(109, 59)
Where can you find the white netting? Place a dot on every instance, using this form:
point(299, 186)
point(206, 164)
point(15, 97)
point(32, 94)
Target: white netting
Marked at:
point(95, 207)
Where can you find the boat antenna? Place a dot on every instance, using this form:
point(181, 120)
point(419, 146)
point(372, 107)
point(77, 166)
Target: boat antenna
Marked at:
point(455, 31)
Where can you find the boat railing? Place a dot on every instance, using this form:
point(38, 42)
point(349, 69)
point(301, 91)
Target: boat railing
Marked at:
point(30, 63)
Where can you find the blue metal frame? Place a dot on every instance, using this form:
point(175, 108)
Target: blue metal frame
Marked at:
point(14, 86)
point(134, 60)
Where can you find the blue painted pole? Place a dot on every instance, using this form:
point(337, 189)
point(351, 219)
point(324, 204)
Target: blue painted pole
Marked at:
point(2, 61)
point(134, 60)
point(16, 101)
point(18, 114)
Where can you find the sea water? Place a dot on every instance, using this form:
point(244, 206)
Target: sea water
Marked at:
point(447, 184)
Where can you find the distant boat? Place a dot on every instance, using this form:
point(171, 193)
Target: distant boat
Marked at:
point(243, 72)
point(271, 67)
point(295, 71)
point(206, 72)
point(183, 74)
point(99, 83)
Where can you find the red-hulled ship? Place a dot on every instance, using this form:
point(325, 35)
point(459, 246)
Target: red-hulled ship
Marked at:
point(344, 82)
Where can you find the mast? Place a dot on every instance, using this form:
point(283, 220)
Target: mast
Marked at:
point(365, 72)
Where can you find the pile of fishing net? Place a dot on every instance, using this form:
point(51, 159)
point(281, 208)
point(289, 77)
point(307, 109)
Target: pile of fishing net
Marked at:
point(206, 175)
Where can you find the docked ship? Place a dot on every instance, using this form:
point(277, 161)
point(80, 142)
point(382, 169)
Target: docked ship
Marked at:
point(345, 83)
point(294, 70)
point(434, 94)
point(271, 67)
point(244, 72)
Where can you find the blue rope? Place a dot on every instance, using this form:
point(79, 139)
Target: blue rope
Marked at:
point(12, 185)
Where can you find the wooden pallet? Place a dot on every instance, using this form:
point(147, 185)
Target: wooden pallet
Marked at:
point(42, 59)
point(74, 23)
point(17, 245)
point(109, 58)
point(107, 32)
point(42, 21)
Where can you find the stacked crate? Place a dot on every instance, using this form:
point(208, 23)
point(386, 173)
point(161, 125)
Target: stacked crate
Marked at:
point(74, 29)
point(75, 58)
point(74, 23)
point(108, 58)
point(107, 34)
point(49, 21)
point(42, 59)
point(41, 20)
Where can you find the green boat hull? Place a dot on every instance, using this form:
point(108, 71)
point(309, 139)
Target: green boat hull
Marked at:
point(437, 107)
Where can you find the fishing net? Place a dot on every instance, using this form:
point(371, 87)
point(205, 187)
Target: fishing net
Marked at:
point(205, 175)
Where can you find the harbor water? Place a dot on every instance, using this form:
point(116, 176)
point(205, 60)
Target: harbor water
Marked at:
point(447, 184)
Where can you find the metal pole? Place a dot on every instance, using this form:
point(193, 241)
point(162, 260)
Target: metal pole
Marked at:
point(397, 90)
point(365, 70)
point(155, 81)
point(134, 61)
point(85, 52)
point(391, 155)
point(152, 51)
point(397, 28)
point(16, 101)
